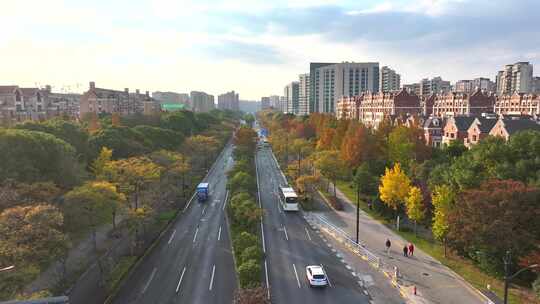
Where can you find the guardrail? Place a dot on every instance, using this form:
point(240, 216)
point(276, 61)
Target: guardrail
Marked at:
point(357, 248)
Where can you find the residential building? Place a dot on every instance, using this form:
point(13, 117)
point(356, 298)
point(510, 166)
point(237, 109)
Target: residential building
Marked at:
point(172, 98)
point(535, 85)
point(265, 103)
point(314, 84)
point(484, 84)
point(517, 77)
point(506, 127)
point(518, 103)
point(456, 104)
point(348, 107)
point(375, 107)
point(202, 102)
point(464, 86)
point(291, 94)
point(62, 103)
point(456, 128)
point(389, 80)
point(479, 129)
point(275, 102)
point(249, 106)
point(229, 101)
point(434, 86)
point(433, 131)
point(413, 88)
point(332, 82)
point(303, 94)
point(99, 100)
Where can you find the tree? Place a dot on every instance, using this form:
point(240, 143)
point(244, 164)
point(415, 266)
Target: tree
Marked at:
point(256, 295)
point(137, 220)
point(32, 234)
point(355, 146)
point(365, 180)
point(249, 274)
point(536, 287)
point(394, 188)
point(201, 148)
point(31, 156)
point(415, 207)
point(501, 215)
point(330, 166)
point(13, 193)
point(124, 141)
point(443, 202)
point(325, 138)
point(301, 148)
point(242, 181)
point(161, 138)
point(134, 175)
point(99, 166)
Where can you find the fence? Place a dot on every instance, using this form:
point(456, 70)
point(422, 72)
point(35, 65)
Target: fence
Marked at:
point(316, 221)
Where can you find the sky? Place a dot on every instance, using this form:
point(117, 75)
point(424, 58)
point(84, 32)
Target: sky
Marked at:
point(256, 47)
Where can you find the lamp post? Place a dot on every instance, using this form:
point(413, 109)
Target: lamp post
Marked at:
point(508, 277)
point(7, 268)
point(357, 210)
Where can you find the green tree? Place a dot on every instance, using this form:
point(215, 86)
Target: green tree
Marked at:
point(249, 274)
point(161, 138)
point(31, 156)
point(99, 166)
point(331, 166)
point(124, 141)
point(242, 181)
point(443, 202)
point(415, 206)
point(201, 149)
point(394, 188)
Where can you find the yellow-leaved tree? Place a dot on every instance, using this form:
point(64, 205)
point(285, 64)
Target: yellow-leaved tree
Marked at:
point(394, 187)
point(415, 206)
point(443, 201)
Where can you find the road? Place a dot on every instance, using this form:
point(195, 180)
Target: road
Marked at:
point(290, 245)
point(193, 261)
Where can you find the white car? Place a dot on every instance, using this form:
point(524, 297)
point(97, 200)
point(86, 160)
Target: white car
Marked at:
point(316, 276)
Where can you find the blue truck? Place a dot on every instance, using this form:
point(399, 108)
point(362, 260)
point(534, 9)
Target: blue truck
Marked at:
point(203, 191)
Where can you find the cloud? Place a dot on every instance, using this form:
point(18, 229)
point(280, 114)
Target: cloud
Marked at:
point(255, 53)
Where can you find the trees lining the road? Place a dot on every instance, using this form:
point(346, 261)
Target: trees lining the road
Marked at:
point(69, 165)
point(439, 177)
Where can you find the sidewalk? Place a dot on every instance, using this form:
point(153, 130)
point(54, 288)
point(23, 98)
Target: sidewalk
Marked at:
point(434, 282)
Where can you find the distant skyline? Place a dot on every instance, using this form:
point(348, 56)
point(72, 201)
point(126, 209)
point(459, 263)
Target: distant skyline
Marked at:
point(255, 47)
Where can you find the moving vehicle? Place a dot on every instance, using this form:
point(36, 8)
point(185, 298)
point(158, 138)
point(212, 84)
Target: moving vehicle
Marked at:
point(316, 276)
point(203, 191)
point(288, 199)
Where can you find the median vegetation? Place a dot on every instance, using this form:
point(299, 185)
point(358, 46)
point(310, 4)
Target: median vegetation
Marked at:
point(244, 213)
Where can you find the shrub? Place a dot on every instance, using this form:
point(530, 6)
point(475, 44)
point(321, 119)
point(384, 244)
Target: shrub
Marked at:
point(244, 240)
point(249, 274)
point(251, 253)
point(244, 212)
point(536, 287)
point(335, 203)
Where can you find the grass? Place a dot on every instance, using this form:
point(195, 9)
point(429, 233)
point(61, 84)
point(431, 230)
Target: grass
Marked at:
point(463, 267)
point(167, 216)
point(119, 271)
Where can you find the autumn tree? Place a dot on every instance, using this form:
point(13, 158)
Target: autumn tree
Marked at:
point(415, 206)
point(356, 146)
point(443, 197)
point(394, 187)
point(134, 175)
point(301, 148)
point(202, 149)
point(325, 139)
point(330, 166)
point(501, 215)
point(99, 166)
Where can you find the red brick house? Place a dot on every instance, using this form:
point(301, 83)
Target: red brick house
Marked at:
point(456, 129)
point(463, 104)
point(479, 129)
point(507, 127)
point(433, 131)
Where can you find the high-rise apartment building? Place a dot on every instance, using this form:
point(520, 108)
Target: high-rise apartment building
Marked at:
point(434, 86)
point(331, 82)
point(202, 102)
point(314, 77)
point(282, 104)
point(484, 84)
point(517, 77)
point(171, 97)
point(389, 80)
point(463, 86)
point(274, 101)
point(303, 94)
point(536, 85)
point(291, 98)
point(265, 103)
point(229, 101)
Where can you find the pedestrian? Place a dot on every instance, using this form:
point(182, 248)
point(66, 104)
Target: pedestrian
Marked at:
point(405, 250)
point(388, 244)
point(411, 249)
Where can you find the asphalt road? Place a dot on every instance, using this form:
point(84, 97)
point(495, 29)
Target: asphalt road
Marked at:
point(291, 245)
point(193, 261)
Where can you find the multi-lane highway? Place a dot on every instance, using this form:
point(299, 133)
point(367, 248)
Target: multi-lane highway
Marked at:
point(193, 261)
point(290, 245)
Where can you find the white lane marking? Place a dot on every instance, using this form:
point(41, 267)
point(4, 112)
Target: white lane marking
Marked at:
point(212, 278)
point(180, 281)
point(219, 234)
point(285, 229)
point(226, 196)
point(150, 280)
point(262, 234)
point(187, 206)
point(267, 281)
point(172, 236)
point(326, 274)
point(195, 237)
point(204, 209)
point(307, 232)
point(296, 274)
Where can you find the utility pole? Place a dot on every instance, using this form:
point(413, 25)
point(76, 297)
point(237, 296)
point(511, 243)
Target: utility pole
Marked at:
point(508, 277)
point(357, 211)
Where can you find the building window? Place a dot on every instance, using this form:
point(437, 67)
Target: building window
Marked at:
point(474, 138)
point(451, 135)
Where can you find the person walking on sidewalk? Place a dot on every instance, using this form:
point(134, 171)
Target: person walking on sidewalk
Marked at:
point(388, 244)
point(405, 250)
point(411, 249)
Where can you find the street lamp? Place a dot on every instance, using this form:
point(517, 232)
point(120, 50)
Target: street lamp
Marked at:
point(508, 277)
point(7, 268)
point(357, 210)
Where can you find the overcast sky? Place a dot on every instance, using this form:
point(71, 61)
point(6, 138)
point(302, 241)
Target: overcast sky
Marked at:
point(256, 46)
